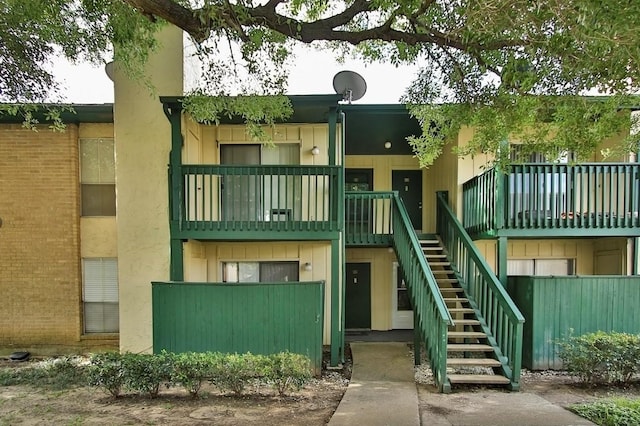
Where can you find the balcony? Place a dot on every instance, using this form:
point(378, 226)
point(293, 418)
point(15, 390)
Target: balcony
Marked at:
point(368, 218)
point(228, 202)
point(543, 200)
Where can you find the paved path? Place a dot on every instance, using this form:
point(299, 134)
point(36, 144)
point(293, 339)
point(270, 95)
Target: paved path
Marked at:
point(382, 392)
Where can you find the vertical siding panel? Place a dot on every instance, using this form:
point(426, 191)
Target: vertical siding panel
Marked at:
point(554, 305)
point(258, 318)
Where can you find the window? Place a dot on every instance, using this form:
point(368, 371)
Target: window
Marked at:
point(252, 272)
point(100, 295)
point(97, 177)
point(541, 267)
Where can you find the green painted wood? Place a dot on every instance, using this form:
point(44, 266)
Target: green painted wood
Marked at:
point(260, 318)
point(502, 321)
point(553, 306)
point(541, 200)
point(368, 218)
point(286, 201)
point(431, 315)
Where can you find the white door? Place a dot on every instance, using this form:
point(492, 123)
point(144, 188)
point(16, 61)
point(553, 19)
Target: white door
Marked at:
point(402, 312)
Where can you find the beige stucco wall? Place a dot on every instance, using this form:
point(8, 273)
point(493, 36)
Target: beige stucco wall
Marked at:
point(143, 141)
point(203, 262)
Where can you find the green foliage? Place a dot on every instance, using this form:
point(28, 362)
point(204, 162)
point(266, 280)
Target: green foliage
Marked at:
point(106, 371)
point(191, 369)
point(34, 114)
point(601, 357)
point(253, 110)
point(288, 371)
point(145, 373)
point(611, 412)
point(236, 371)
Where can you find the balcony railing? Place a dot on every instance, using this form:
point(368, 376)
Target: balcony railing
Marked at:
point(368, 218)
point(229, 201)
point(600, 197)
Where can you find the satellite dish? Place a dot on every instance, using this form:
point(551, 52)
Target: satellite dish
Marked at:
point(350, 85)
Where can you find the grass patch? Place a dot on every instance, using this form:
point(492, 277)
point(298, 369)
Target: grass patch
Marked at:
point(611, 412)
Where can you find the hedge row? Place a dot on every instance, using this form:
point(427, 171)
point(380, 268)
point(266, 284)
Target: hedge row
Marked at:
point(145, 373)
point(601, 357)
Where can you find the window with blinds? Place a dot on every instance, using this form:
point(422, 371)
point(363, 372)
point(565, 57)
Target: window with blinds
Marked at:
point(98, 177)
point(100, 295)
point(253, 272)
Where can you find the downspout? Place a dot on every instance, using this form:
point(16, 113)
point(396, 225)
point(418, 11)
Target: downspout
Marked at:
point(342, 237)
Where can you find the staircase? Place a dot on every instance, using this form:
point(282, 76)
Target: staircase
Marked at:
point(471, 356)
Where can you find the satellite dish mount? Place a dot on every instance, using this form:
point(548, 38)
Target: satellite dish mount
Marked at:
point(350, 85)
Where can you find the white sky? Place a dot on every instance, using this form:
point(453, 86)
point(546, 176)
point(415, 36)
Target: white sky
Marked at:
point(313, 74)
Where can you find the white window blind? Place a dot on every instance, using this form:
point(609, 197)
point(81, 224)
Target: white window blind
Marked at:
point(100, 295)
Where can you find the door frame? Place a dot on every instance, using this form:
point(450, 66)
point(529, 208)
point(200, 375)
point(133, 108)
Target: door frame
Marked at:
point(400, 320)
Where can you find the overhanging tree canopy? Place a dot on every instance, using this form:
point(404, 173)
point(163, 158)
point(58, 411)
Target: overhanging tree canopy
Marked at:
point(500, 65)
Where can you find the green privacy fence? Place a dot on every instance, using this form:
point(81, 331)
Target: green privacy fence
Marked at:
point(261, 318)
point(553, 306)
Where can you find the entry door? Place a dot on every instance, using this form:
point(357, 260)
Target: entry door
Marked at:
point(402, 311)
point(408, 183)
point(358, 296)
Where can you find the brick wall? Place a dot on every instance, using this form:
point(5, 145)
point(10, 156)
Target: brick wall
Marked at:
point(40, 275)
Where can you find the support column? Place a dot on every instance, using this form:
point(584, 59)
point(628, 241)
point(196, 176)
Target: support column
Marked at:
point(337, 305)
point(502, 260)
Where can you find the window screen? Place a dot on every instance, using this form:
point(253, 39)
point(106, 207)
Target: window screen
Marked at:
point(97, 177)
point(100, 295)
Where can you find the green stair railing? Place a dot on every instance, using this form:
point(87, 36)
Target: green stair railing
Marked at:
point(503, 320)
point(431, 314)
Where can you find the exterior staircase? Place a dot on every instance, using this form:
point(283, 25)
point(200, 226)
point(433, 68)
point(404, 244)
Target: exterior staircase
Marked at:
point(471, 357)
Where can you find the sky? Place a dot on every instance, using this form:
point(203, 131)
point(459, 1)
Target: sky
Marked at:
point(312, 75)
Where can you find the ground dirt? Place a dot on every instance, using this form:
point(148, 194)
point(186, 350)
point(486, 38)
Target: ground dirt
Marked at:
point(313, 405)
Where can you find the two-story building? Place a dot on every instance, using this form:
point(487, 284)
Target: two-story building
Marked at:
point(227, 243)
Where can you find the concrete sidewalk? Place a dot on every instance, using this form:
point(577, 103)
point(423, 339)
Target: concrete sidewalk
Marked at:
point(383, 392)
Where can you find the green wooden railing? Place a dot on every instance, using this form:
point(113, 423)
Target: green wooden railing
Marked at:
point(430, 311)
point(231, 200)
point(593, 197)
point(368, 218)
point(503, 320)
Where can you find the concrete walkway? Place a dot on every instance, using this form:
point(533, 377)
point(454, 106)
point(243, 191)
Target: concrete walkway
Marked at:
point(383, 392)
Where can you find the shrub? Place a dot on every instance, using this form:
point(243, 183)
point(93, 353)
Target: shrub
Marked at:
point(288, 371)
point(601, 357)
point(191, 369)
point(146, 372)
point(612, 412)
point(235, 371)
point(107, 371)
